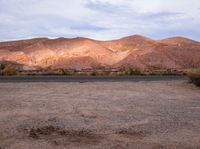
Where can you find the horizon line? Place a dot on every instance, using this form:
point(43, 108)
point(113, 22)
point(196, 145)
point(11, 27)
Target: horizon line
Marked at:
point(52, 38)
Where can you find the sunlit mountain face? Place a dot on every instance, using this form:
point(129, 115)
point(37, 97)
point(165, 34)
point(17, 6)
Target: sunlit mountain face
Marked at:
point(81, 53)
point(103, 23)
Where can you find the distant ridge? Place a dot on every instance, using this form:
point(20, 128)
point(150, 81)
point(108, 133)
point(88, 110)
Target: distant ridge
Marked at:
point(81, 53)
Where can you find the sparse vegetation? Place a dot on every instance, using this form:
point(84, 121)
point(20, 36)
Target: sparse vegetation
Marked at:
point(94, 73)
point(9, 71)
point(134, 71)
point(2, 66)
point(63, 72)
point(194, 76)
point(165, 72)
point(69, 72)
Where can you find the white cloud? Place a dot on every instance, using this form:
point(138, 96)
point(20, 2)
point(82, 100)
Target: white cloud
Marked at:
point(99, 19)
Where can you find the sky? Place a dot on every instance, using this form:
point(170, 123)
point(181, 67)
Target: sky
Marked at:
point(99, 19)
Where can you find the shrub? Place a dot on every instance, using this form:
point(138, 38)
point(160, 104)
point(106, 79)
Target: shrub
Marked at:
point(94, 73)
point(9, 71)
point(134, 72)
point(63, 72)
point(194, 76)
point(2, 66)
point(169, 72)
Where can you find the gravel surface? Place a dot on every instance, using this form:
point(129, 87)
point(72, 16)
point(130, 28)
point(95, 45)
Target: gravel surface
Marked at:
point(100, 115)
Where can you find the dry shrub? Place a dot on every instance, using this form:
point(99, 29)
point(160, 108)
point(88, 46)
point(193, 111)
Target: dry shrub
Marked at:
point(194, 76)
point(9, 71)
point(133, 72)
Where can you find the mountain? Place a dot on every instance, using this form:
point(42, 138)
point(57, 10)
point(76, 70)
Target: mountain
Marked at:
point(81, 53)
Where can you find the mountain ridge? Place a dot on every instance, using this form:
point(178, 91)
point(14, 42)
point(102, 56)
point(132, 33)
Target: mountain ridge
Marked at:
point(81, 53)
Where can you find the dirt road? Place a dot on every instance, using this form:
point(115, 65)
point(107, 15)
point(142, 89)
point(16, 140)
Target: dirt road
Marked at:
point(100, 115)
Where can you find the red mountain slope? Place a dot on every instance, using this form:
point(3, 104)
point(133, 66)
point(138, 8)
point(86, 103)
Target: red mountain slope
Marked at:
point(79, 53)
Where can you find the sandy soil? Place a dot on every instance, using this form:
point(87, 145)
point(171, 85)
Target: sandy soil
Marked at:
point(113, 115)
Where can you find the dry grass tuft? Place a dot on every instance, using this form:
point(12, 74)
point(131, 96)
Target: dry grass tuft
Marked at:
point(194, 76)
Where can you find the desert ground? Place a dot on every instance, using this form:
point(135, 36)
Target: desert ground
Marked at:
point(100, 115)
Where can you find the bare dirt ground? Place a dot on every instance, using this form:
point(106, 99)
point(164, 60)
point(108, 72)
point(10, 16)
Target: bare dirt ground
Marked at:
point(102, 115)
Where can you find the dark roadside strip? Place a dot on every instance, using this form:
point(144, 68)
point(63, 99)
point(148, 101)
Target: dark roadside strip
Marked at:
point(82, 79)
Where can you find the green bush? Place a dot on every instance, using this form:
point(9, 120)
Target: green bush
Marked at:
point(194, 76)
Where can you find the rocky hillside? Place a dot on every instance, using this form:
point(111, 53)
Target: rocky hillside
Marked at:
point(80, 53)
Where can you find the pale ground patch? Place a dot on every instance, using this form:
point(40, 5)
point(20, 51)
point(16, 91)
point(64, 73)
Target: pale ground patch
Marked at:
point(135, 115)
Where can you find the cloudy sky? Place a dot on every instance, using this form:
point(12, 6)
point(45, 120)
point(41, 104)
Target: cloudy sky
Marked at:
point(99, 19)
